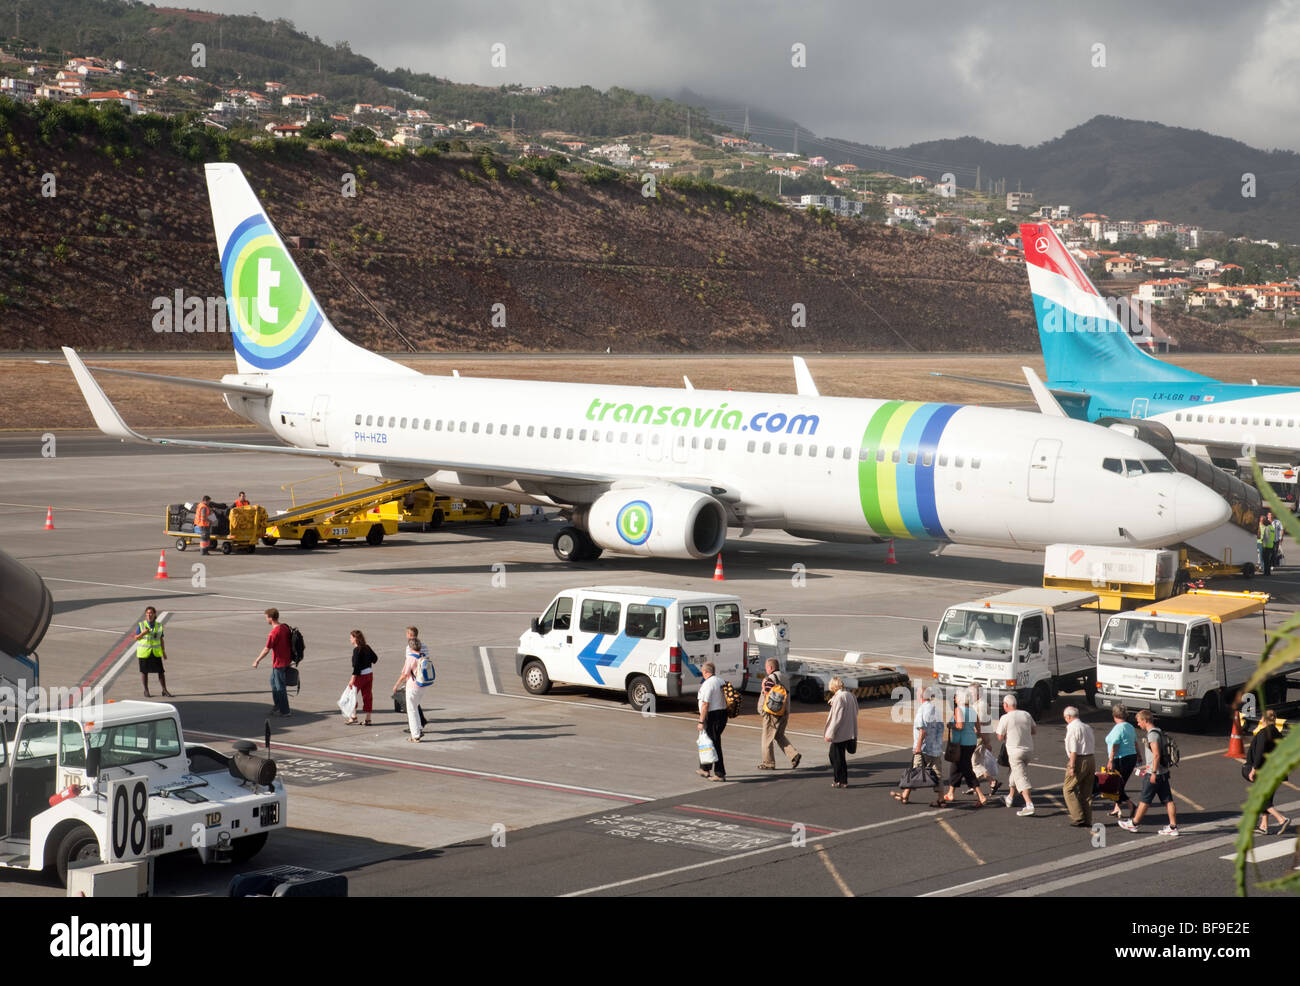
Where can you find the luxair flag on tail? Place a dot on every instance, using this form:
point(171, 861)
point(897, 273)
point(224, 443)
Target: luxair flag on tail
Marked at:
point(276, 322)
point(1085, 338)
point(896, 470)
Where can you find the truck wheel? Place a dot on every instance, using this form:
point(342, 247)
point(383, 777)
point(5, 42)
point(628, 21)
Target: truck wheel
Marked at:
point(226, 547)
point(375, 535)
point(181, 544)
point(1040, 700)
point(1182, 581)
point(1209, 712)
point(77, 845)
point(536, 680)
point(503, 515)
point(309, 539)
point(641, 693)
point(242, 850)
point(809, 690)
point(435, 521)
point(269, 542)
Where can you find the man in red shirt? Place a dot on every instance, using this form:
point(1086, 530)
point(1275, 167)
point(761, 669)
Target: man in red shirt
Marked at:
point(277, 645)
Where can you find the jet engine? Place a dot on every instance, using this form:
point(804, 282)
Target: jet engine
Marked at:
point(656, 522)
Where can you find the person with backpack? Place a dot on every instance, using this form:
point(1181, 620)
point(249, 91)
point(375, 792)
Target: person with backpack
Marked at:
point(713, 719)
point(277, 645)
point(418, 674)
point(841, 731)
point(363, 677)
point(774, 707)
point(1260, 747)
point(1161, 755)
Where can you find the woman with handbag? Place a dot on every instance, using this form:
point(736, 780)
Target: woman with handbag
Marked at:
point(841, 731)
point(1260, 747)
point(363, 678)
point(964, 736)
point(1121, 745)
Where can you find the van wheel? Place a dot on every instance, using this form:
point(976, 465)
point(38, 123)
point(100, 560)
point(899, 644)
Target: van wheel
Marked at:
point(242, 850)
point(375, 535)
point(536, 680)
point(77, 845)
point(1040, 700)
point(309, 539)
point(641, 693)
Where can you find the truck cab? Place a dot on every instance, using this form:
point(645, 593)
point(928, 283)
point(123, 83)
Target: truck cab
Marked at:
point(1170, 656)
point(1009, 643)
point(58, 790)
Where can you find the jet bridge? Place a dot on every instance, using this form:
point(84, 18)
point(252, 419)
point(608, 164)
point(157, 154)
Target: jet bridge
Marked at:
point(26, 608)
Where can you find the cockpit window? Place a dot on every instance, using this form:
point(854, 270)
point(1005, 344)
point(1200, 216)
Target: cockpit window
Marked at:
point(1132, 467)
point(1158, 465)
point(1113, 465)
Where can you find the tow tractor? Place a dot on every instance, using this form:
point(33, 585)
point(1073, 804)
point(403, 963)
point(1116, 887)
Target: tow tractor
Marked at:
point(116, 781)
point(1169, 657)
point(810, 677)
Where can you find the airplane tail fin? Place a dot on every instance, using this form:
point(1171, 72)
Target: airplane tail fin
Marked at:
point(276, 322)
point(1084, 336)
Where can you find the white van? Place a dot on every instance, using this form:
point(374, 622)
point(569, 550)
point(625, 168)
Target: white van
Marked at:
point(647, 642)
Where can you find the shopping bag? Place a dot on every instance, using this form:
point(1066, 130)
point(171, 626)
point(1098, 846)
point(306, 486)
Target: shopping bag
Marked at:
point(1108, 783)
point(708, 755)
point(348, 702)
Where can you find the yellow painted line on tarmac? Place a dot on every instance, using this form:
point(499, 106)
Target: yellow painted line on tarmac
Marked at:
point(1184, 797)
point(830, 868)
point(965, 846)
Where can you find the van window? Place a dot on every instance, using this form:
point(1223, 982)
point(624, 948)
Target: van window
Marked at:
point(72, 745)
point(599, 616)
point(695, 622)
point(558, 616)
point(136, 742)
point(646, 621)
point(39, 740)
point(726, 621)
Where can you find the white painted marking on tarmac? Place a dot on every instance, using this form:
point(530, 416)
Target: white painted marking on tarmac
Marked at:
point(1092, 856)
point(208, 595)
point(79, 510)
point(66, 626)
point(349, 755)
point(488, 674)
point(1283, 847)
point(830, 868)
point(745, 855)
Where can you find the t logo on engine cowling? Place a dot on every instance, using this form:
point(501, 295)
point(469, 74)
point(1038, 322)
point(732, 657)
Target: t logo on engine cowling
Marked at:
point(634, 522)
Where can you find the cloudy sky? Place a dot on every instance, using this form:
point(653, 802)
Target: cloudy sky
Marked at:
point(881, 73)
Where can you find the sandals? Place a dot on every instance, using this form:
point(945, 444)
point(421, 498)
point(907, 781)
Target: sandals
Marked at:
point(899, 798)
point(766, 766)
point(350, 722)
point(941, 803)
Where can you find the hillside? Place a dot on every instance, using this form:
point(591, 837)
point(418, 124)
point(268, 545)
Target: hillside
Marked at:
point(437, 240)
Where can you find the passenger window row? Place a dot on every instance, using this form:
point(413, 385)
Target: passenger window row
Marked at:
point(530, 431)
point(1232, 420)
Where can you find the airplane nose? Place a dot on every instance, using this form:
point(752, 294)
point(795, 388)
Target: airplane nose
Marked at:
point(1197, 508)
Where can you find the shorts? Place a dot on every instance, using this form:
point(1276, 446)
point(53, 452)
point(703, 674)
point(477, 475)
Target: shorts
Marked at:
point(1159, 788)
point(151, 665)
point(1019, 772)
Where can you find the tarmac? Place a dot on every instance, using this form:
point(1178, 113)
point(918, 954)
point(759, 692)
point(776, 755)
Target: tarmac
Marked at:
point(573, 792)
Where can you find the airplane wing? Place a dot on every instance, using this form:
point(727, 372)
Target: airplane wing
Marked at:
point(1056, 392)
point(803, 378)
point(110, 423)
point(218, 385)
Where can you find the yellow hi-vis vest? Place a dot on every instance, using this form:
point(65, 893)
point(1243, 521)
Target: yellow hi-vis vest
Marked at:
point(1267, 535)
point(150, 645)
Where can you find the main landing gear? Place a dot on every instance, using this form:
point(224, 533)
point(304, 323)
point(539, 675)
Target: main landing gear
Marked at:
point(573, 544)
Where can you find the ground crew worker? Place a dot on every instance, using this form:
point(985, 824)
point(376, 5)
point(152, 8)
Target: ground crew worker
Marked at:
point(203, 524)
point(149, 649)
point(241, 500)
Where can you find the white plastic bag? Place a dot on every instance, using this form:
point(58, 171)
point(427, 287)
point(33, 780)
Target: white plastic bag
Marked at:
point(708, 755)
point(348, 702)
point(985, 764)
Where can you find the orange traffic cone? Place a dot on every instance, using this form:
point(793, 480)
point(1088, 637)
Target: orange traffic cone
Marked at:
point(162, 564)
point(889, 558)
point(49, 518)
point(717, 570)
point(1235, 748)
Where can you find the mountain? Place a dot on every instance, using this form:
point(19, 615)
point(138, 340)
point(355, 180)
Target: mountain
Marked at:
point(462, 251)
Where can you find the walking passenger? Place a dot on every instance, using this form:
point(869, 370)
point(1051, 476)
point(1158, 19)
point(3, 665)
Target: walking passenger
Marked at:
point(965, 736)
point(363, 678)
point(1016, 730)
point(1080, 769)
point(841, 731)
point(277, 645)
point(927, 741)
point(1121, 756)
point(713, 719)
point(774, 707)
point(1155, 780)
point(415, 683)
point(1260, 747)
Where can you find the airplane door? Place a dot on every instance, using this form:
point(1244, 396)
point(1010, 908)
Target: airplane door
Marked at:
point(679, 447)
point(1042, 470)
point(318, 409)
point(654, 446)
point(1139, 409)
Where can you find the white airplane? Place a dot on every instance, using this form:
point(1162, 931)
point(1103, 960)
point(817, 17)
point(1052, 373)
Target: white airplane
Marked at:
point(662, 472)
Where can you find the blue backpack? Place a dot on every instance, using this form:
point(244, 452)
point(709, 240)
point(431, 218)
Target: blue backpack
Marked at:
point(425, 672)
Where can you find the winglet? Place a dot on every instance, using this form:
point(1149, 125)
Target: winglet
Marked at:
point(1047, 404)
point(687, 381)
point(105, 414)
point(803, 379)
